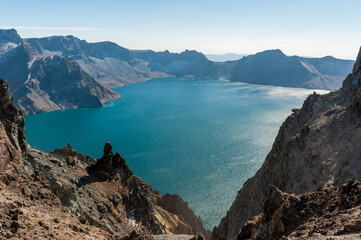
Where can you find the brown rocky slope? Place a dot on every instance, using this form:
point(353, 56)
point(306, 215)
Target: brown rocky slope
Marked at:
point(329, 213)
point(67, 195)
point(317, 146)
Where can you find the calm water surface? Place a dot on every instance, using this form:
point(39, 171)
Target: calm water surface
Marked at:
point(197, 138)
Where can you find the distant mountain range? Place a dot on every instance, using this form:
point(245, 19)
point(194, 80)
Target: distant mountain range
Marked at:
point(60, 72)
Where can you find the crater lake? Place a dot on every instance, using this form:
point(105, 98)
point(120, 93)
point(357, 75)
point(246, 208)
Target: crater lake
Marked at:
point(198, 138)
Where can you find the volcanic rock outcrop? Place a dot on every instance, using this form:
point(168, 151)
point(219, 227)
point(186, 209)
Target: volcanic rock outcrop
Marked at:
point(111, 164)
point(317, 146)
point(330, 211)
point(64, 194)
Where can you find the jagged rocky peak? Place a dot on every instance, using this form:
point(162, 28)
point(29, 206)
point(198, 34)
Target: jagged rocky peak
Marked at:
point(111, 164)
point(9, 35)
point(12, 118)
point(59, 45)
point(193, 55)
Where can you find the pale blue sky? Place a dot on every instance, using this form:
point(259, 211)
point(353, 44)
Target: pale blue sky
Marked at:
point(303, 27)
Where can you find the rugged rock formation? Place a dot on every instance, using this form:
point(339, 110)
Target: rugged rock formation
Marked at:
point(108, 63)
point(111, 164)
point(12, 118)
point(331, 211)
point(28, 209)
point(64, 194)
point(59, 83)
point(12, 135)
point(41, 83)
point(317, 146)
point(36, 69)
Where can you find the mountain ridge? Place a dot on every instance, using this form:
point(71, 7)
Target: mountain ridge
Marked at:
point(111, 65)
point(31, 75)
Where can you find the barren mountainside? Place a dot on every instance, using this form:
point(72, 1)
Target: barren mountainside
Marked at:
point(328, 213)
point(41, 83)
point(317, 146)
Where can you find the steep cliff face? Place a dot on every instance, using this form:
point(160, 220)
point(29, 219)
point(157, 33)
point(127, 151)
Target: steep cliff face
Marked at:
point(12, 134)
point(12, 119)
point(317, 146)
point(64, 194)
point(47, 82)
point(59, 83)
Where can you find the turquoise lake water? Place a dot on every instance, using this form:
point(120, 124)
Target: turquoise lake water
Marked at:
point(200, 139)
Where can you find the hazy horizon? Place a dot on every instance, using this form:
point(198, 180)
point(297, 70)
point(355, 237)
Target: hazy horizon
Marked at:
point(307, 28)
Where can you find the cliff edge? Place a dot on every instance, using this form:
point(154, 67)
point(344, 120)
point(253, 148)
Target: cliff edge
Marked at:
point(317, 146)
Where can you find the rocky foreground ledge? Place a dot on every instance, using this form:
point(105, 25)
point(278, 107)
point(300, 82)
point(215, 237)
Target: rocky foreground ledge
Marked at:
point(64, 194)
point(330, 211)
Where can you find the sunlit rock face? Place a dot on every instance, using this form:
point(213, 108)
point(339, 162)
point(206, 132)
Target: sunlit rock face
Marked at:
point(317, 146)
